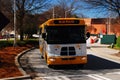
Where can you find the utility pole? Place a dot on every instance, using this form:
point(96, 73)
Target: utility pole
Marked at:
point(14, 23)
point(109, 20)
point(53, 12)
point(109, 25)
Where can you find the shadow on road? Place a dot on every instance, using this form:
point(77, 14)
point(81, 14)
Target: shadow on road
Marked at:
point(94, 63)
point(97, 63)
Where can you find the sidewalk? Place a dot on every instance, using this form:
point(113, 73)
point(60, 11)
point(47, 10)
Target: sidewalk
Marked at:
point(103, 51)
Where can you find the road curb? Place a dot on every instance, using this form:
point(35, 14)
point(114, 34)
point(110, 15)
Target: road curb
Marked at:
point(17, 58)
point(25, 77)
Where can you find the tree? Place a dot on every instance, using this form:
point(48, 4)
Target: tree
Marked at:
point(30, 26)
point(6, 9)
point(6, 6)
point(28, 6)
point(66, 8)
point(107, 6)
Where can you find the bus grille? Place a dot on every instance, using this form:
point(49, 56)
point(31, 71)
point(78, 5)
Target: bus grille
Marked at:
point(66, 51)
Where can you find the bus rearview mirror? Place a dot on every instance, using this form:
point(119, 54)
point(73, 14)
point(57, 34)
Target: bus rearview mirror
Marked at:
point(87, 35)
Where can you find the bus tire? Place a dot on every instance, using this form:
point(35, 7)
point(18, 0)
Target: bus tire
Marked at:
point(46, 59)
point(42, 57)
point(81, 66)
point(51, 66)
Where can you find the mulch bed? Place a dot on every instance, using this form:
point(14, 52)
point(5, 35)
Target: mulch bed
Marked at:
point(7, 61)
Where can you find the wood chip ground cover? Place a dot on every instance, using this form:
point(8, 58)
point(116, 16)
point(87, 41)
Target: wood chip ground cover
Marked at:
point(7, 61)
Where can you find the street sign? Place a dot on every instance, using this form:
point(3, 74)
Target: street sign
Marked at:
point(3, 21)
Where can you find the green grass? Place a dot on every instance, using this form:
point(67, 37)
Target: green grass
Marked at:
point(4, 43)
point(117, 45)
point(33, 42)
point(118, 42)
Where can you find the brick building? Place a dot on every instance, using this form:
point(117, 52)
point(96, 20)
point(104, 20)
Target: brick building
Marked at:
point(102, 26)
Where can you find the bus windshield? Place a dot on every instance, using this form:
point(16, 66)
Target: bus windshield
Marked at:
point(65, 34)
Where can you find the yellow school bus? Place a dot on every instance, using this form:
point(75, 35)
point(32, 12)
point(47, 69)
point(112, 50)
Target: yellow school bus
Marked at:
point(62, 41)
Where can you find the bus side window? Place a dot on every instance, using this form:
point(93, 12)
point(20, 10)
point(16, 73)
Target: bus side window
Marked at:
point(40, 31)
point(43, 35)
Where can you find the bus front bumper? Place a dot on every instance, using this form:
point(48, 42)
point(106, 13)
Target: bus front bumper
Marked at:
point(67, 60)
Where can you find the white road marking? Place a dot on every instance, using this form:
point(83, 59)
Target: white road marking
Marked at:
point(98, 77)
point(39, 66)
point(54, 78)
point(57, 78)
point(117, 72)
point(114, 73)
point(64, 78)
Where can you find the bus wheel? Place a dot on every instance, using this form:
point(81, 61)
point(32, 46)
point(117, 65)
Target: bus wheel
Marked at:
point(46, 58)
point(42, 57)
point(51, 66)
point(81, 66)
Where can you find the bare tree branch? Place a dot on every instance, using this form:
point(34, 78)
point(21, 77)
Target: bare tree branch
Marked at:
point(25, 6)
point(67, 7)
point(109, 5)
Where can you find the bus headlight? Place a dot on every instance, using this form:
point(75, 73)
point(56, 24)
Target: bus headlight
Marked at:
point(83, 58)
point(52, 59)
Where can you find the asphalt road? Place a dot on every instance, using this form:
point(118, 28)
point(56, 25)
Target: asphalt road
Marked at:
point(96, 69)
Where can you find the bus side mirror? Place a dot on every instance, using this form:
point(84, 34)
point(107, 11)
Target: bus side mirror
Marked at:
point(87, 35)
point(43, 35)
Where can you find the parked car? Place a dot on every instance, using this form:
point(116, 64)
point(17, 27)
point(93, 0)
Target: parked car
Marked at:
point(11, 35)
point(1, 37)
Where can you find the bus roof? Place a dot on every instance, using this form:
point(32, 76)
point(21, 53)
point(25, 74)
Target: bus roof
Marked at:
point(65, 21)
